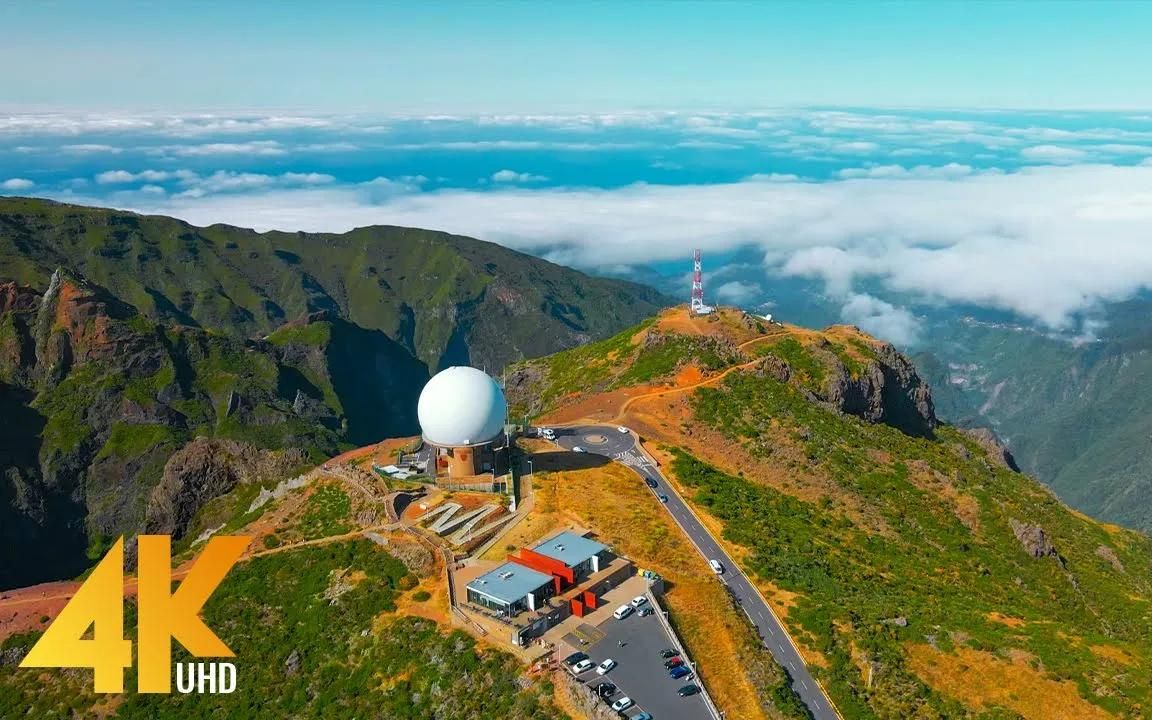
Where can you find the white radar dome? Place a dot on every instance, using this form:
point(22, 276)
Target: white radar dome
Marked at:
point(461, 406)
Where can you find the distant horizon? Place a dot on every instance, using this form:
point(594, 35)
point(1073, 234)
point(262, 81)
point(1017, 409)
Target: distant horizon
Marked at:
point(884, 213)
point(472, 55)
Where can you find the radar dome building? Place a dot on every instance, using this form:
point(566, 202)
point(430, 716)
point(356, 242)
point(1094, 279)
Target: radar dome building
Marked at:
point(462, 412)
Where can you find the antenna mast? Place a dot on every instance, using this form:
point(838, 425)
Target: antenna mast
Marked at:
point(696, 306)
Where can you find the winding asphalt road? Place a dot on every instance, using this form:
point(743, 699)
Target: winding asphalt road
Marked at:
point(621, 447)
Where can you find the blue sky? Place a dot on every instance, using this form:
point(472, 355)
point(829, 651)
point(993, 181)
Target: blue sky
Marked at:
point(890, 158)
point(474, 56)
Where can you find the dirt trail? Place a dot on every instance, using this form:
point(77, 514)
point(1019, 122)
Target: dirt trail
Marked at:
point(684, 388)
point(130, 583)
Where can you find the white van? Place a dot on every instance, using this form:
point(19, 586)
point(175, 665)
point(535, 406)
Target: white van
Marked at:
point(622, 612)
point(716, 567)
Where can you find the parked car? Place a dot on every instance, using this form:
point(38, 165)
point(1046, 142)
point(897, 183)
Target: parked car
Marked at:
point(688, 690)
point(638, 601)
point(651, 483)
point(622, 429)
point(717, 567)
point(605, 690)
point(578, 449)
point(575, 658)
point(622, 612)
point(622, 704)
point(582, 667)
point(673, 662)
point(605, 666)
point(679, 671)
point(645, 612)
point(642, 715)
point(669, 652)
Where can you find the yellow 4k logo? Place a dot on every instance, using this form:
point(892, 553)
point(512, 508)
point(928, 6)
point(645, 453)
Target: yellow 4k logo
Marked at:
point(163, 616)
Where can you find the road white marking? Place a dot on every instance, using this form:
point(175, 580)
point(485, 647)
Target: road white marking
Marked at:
point(676, 508)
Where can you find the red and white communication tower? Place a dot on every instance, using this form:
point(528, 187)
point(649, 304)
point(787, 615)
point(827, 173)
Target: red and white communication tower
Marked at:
point(697, 306)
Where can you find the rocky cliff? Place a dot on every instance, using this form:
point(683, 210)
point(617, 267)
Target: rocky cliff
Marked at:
point(107, 414)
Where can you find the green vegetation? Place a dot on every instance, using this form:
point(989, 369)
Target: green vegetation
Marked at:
point(1077, 414)
point(614, 363)
point(662, 354)
point(581, 369)
point(945, 560)
point(808, 369)
point(163, 332)
point(311, 334)
point(128, 441)
point(324, 659)
point(404, 282)
point(325, 514)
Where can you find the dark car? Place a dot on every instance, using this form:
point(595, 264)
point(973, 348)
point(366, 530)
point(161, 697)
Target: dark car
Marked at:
point(575, 658)
point(678, 672)
point(669, 652)
point(673, 662)
point(688, 691)
point(651, 483)
point(605, 690)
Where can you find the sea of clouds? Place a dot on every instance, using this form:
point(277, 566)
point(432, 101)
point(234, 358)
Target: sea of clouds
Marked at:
point(1046, 216)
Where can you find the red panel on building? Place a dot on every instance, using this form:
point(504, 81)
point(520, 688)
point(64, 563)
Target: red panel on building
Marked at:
point(589, 599)
point(544, 564)
point(577, 607)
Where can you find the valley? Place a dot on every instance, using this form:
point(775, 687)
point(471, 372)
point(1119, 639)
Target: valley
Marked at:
point(870, 552)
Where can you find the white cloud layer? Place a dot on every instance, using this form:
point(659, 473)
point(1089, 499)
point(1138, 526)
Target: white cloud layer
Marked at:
point(738, 292)
point(190, 184)
point(511, 176)
point(1044, 242)
point(880, 318)
point(17, 184)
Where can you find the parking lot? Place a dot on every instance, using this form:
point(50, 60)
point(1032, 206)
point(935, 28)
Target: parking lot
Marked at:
point(635, 644)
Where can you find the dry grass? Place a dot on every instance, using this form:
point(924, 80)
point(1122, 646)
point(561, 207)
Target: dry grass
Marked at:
point(983, 680)
point(614, 503)
point(1004, 619)
point(1113, 654)
point(565, 703)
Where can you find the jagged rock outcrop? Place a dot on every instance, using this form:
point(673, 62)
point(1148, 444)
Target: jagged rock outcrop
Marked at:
point(1108, 554)
point(207, 468)
point(997, 451)
point(1033, 539)
point(886, 389)
point(100, 398)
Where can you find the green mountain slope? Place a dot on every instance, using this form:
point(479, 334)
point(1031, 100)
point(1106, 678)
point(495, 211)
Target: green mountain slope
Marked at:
point(923, 576)
point(316, 635)
point(1077, 416)
point(448, 299)
point(106, 397)
point(124, 338)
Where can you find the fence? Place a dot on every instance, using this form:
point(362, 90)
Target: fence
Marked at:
point(449, 570)
point(660, 614)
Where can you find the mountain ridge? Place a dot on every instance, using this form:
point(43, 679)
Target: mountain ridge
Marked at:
point(920, 574)
point(113, 379)
point(450, 299)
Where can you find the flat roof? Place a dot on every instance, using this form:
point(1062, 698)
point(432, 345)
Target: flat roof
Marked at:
point(509, 582)
point(569, 548)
